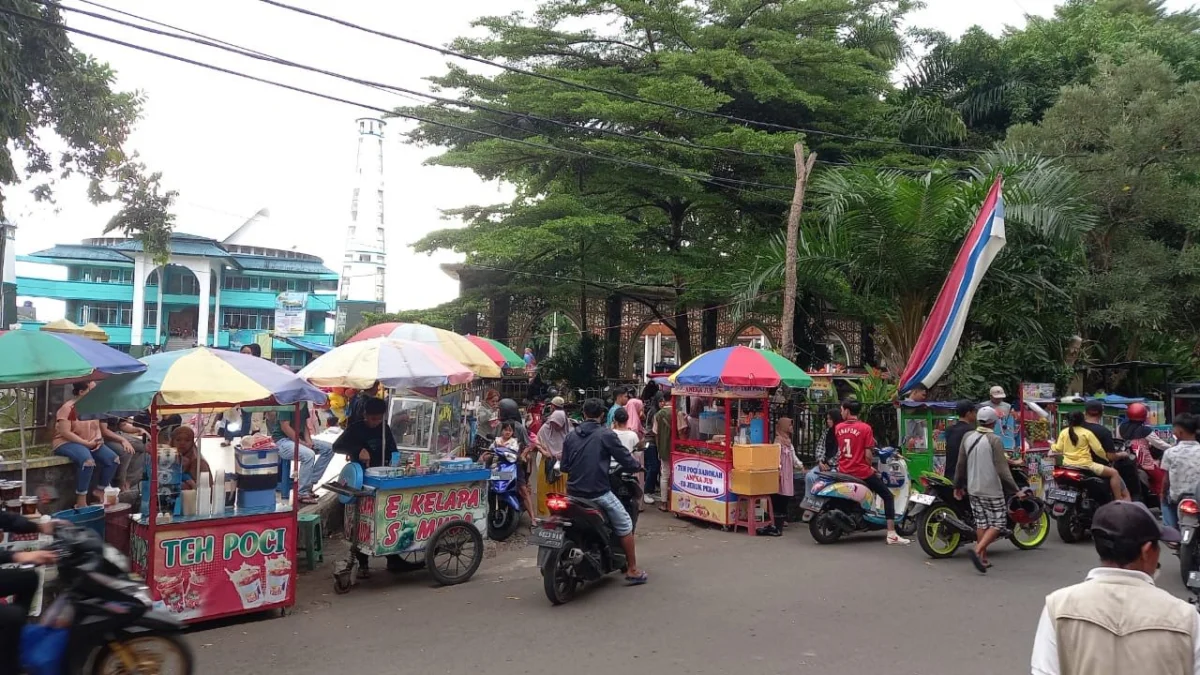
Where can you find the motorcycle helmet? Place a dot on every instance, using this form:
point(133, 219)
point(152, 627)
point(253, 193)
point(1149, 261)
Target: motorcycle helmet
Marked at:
point(1136, 412)
point(509, 411)
point(1024, 510)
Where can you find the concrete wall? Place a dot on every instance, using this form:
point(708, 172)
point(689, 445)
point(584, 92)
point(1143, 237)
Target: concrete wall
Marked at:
point(55, 472)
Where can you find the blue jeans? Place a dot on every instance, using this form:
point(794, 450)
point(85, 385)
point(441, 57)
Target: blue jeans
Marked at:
point(617, 515)
point(810, 479)
point(1170, 513)
point(324, 450)
point(308, 461)
point(103, 457)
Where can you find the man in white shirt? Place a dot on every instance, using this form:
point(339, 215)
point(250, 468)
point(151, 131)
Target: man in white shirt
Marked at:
point(1117, 621)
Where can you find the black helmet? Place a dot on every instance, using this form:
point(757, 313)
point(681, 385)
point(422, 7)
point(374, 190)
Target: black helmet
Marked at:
point(509, 411)
point(1024, 510)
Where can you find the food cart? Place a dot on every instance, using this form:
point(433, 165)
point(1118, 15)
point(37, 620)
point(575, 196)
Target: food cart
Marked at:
point(222, 560)
point(726, 394)
point(923, 427)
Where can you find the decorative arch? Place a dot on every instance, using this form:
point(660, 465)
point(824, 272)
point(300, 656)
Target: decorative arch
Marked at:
point(525, 332)
point(750, 323)
point(629, 350)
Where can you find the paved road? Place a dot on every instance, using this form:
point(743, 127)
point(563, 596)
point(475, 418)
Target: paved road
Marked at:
point(717, 603)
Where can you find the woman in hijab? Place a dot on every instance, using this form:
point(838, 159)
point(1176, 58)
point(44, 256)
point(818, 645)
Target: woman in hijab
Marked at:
point(634, 407)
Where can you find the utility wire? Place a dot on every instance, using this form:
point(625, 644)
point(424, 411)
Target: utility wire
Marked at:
point(712, 180)
point(610, 92)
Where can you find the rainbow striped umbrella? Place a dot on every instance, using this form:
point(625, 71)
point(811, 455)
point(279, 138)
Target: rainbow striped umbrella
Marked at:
point(499, 352)
point(34, 356)
point(452, 344)
point(398, 364)
point(201, 377)
point(741, 367)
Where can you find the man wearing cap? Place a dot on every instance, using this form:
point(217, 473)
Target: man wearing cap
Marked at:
point(982, 470)
point(1117, 621)
point(996, 400)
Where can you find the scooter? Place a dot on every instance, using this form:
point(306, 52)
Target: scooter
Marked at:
point(504, 503)
point(576, 544)
point(1073, 500)
point(103, 621)
point(1189, 544)
point(840, 504)
point(944, 522)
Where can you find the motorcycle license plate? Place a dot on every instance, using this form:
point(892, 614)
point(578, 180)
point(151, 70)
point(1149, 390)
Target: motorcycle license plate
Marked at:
point(1193, 581)
point(812, 503)
point(548, 538)
point(1187, 536)
point(920, 498)
point(505, 474)
point(1067, 496)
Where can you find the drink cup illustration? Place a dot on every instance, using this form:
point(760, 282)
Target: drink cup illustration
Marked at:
point(279, 574)
point(248, 581)
point(195, 590)
point(170, 589)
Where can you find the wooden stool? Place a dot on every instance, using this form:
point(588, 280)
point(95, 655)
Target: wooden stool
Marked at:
point(311, 539)
point(745, 513)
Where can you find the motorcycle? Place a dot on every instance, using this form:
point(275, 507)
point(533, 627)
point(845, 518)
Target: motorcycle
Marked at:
point(106, 617)
point(1189, 555)
point(577, 544)
point(944, 522)
point(504, 504)
point(840, 504)
point(1073, 500)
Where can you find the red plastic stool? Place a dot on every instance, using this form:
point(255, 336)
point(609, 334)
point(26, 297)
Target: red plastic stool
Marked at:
point(745, 513)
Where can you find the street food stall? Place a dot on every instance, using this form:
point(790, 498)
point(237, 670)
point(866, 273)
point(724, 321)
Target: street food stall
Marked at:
point(228, 546)
point(726, 394)
point(923, 427)
point(422, 508)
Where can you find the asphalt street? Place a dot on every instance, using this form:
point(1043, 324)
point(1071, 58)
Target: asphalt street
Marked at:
point(716, 603)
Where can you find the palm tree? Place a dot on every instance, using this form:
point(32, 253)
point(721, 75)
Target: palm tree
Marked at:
point(880, 243)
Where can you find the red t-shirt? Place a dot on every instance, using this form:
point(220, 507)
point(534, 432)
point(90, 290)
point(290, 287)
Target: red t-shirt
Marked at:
point(854, 438)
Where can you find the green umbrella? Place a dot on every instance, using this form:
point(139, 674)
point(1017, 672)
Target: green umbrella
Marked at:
point(35, 356)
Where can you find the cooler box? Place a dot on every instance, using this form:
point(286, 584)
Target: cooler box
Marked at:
point(256, 499)
point(755, 481)
point(756, 457)
point(257, 469)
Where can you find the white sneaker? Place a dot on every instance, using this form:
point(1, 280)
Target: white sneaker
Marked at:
point(894, 539)
point(648, 499)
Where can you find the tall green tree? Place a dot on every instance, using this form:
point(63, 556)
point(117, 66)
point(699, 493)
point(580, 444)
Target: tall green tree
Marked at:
point(46, 84)
point(675, 223)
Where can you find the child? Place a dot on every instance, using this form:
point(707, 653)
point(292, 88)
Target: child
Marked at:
point(1077, 444)
point(507, 440)
point(184, 441)
point(1182, 464)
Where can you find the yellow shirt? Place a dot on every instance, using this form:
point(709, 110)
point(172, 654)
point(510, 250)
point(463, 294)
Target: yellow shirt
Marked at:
point(1080, 452)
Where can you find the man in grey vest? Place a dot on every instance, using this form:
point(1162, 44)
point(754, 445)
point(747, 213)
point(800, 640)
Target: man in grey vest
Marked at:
point(1118, 621)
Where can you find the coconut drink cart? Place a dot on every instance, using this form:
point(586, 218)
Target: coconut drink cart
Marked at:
point(228, 547)
point(421, 509)
point(727, 452)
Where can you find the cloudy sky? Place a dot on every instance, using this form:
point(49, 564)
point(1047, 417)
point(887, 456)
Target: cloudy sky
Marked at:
point(231, 147)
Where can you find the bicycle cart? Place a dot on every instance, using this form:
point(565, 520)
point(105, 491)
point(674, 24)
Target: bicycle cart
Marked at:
point(435, 520)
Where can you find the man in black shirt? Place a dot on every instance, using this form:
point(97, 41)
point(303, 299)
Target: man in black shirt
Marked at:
point(1121, 461)
point(368, 440)
point(954, 434)
point(21, 584)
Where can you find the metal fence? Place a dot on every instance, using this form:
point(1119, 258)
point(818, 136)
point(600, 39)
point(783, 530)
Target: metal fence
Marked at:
point(809, 427)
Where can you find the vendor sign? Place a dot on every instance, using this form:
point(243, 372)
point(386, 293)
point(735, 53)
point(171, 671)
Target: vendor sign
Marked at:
point(216, 568)
point(699, 488)
point(396, 521)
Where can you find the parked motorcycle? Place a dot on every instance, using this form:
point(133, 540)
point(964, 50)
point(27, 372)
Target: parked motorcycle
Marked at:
point(944, 522)
point(840, 504)
point(576, 544)
point(504, 503)
point(109, 623)
point(1189, 546)
point(1073, 500)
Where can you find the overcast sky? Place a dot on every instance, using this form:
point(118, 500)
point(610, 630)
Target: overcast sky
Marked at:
point(232, 146)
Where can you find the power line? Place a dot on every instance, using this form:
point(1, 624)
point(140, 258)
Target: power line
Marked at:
point(712, 180)
point(610, 92)
point(216, 43)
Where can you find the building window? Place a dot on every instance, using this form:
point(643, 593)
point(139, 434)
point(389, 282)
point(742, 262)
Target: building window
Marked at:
point(248, 319)
point(152, 280)
point(354, 208)
point(183, 282)
point(102, 275)
point(379, 198)
point(106, 314)
point(324, 285)
point(151, 316)
point(364, 257)
point(237, 282)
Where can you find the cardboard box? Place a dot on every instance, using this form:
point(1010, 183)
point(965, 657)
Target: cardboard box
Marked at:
point(755, 457)
point(754, 482)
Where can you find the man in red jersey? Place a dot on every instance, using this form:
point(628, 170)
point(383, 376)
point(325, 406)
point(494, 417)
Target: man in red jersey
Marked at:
point(855, 441)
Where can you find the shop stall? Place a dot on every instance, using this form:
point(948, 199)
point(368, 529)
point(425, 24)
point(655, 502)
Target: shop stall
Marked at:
point(226, 545)
point(727, 451)
point(923, 434)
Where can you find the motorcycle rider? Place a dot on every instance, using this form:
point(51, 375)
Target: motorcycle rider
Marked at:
point(855, 439)
point(1143, 442)
point(509, 412)
point(587, 453)
point(1121, 461)
point(22, 584)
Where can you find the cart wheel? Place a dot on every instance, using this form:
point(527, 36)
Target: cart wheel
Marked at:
point(342, 583)
point(454, 552)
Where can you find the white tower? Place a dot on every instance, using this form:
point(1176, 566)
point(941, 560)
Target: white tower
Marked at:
point(365, 263)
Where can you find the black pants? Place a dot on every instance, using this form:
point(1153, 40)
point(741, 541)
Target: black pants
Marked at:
point(779, 504)
point(881, 490)
point(653, 468)
point(1127, 468)
point(22, 584)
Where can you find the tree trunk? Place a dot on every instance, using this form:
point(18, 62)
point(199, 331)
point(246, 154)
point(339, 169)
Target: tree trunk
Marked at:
point(803, 168)
point(683, 329)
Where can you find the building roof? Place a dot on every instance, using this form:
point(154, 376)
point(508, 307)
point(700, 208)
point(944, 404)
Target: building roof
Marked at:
point(181, 244)
point(266, 264)
point(84, 252)
point(259, 232)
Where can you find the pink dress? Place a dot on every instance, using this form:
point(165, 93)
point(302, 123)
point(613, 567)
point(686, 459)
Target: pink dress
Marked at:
point(787, 457)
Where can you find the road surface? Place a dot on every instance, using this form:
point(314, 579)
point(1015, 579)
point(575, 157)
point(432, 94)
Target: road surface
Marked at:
point(716, 603)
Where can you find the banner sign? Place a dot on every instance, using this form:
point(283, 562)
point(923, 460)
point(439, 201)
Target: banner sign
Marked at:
point(700, 489)
point(718, 391)
point(216, 568)
point(399, 521)
point(290, 311)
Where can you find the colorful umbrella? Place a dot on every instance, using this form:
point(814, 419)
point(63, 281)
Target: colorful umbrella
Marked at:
point(399, 364)
point(741, 367)
point(497, 351)
point(939, 338)
point(34, 356)
point(200, 377)
point(454, 345)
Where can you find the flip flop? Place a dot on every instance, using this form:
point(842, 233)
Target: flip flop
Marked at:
point(637, 580)
point(977, 562)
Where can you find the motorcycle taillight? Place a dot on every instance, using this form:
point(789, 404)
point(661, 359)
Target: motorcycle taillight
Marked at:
point(1189, 507)
point(556, 502)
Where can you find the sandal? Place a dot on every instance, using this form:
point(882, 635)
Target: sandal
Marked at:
point(309, 499)
point(638, 580)
point(977, 562)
